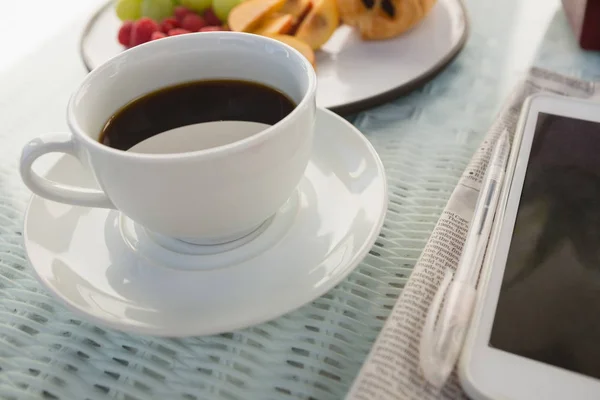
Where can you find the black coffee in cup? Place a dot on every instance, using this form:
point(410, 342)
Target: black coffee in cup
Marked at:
point(194, 103)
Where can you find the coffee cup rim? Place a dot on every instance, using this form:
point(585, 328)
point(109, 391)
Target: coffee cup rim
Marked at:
point(242, 144)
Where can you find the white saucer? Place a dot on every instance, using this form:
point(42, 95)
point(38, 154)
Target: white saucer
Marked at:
point(112, 272)
point(353, 74)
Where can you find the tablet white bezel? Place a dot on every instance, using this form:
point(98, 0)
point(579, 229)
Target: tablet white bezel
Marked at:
point(486, 372)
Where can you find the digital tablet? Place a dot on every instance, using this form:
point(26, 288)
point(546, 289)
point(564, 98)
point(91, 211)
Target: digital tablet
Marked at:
point(535, 332)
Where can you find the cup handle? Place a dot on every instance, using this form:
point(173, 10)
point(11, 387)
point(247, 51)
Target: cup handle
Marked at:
point(55, 191)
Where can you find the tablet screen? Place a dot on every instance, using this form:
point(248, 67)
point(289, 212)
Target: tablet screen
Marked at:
point(549, 305)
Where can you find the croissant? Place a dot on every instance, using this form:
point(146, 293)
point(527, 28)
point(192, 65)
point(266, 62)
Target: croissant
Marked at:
point(383, 19)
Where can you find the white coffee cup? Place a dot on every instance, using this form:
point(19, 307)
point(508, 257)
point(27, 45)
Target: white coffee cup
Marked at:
point(207, 196)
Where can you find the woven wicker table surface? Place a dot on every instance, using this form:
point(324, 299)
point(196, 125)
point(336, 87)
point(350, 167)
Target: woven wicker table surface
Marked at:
point(424, 139)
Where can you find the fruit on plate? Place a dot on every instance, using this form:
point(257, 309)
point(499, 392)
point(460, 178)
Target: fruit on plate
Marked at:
point(180, 21)
point(124, 35)
point(249, 14)
point(296, 8)
point(319, 24)
point(128, 10)
point(211, 18)
point(196, 5)
point(383, 19)
point(192, 22)
point(222, 8)
point(307, 26)
point(157, 9)
point(169, 23)
point(158, 35)
point(213, 29)
point(275, 25)
point(299, 45)
point(132, 10)
point(178, 31)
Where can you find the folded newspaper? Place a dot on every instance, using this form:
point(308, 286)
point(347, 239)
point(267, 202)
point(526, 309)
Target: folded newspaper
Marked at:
point(391, 371)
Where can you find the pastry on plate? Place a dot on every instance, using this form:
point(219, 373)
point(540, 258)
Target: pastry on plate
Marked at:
point(383, 19)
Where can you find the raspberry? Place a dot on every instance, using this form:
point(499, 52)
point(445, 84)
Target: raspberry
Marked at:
point(125, 33)
point(211, 29)
point(211, 18)
point(158, 35)
point(193, 22)
point(181, 12)
point(142, 30)
point(178, 31)
point(168, 24)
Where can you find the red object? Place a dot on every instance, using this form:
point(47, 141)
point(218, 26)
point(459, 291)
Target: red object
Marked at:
point(584, 17)
point(178, 31)
point(181, 12)
point(125, 33)
point(212, 29)
point(211, 18)
point(168, 24)
point(193, 22)
point(142, 31)
point(158, 35)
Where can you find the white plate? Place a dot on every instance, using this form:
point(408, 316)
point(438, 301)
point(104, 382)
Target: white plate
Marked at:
point(105, 268)
point(353, 74)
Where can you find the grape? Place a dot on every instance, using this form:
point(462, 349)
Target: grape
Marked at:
point(128, 10)
point(157, 9)
point(196, 5)
point(223, 7)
